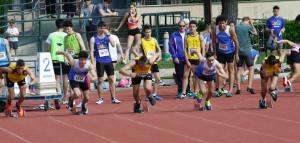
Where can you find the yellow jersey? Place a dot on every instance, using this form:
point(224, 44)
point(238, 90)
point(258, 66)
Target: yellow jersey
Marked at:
point(149, 47)
point(15, 77)
point(274, 68)
point(141, 72)
point(193, 44)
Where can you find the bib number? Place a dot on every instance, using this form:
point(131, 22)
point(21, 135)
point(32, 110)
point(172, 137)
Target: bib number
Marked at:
point(207, 73)
point(150, 54)
point(192, 49)
point(142, 74)
point(103, 52)
point(223, 47)
point(2, 55)
point(79, 78)
point(70, 51)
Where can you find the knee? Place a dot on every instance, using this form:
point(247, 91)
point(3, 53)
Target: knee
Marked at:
point(157, 80)
point(86, 98)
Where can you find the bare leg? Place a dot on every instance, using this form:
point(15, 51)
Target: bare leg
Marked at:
point(231, 76)
point(136, 90)
point(296, 72)
point(220, 82)
point(112, 86)
point(251, 76)
point(99, 87)
point(129, 44)
point(148, 87)
point(156, 84)
point(185, 79)
point(195, 79)
point(264, 85)
point(65, 85)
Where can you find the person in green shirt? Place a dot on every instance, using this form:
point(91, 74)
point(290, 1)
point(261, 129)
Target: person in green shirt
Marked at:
point(243, 31)
point(73, 45)
point(55, 43)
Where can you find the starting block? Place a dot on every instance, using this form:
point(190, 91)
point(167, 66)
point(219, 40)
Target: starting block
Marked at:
point(9, 113)
point(74, 110)
point(145, 107)
point(197, 106)
point(286, 89)
point(269, 104)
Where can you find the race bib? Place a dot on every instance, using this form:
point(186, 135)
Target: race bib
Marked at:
point(150, 54)
point(223, 47)
point(2, 55)
point(142, 74)
point(79, 78)
point(207, 73)
point(193, 49)
point(70, 51)
point(103, 52)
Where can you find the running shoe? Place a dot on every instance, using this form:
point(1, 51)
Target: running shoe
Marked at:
point(289, 83)
point(178, 93)
point(152, 100)
point(199, 97)
point(224, 91)
point(285, 79)
point(8, 105)
point(84, 109)
point(100, 101)
point(136, 108)
point(208, 105)
point(229, 94)
point(115, 100)
point(243, 79)
point(157, 97)
point(181, 96)
point(147, 99)
point(79, 105)
point(251, 90)
point(70, 104)
point(218, 94)
point(274, 96)
point(238, 92)
point(20, 111)
point(64, 102)
point(234, 85)
point(262, 104)
point(190, 94)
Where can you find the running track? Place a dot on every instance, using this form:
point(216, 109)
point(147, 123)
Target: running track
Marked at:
point(234, 119)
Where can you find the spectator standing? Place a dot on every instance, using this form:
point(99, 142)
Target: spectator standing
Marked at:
point(13, 41)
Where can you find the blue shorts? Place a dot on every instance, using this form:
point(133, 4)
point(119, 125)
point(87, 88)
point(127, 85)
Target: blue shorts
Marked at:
point(13, 45)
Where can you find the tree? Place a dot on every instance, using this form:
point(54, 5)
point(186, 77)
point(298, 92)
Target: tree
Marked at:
point(207, 11)
point(2, 12)
point(230, 8)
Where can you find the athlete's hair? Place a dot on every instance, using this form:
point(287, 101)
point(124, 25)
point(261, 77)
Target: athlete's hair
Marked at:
point(143, 60)
point(109, 1)
point(221, 18)
point(209, 54)
point(134, 5)
point(276, 7)
point(272, 60)
point(101, 24)
point(297, 18)
point(59, 23)
point(68, 23)
point(108, 28)
point(146, 27)
point(257, 48)
point(20, 63)
point(83, 54)
point(231, 22)
point(208, 28)
point(246, 18)
point(193, 22)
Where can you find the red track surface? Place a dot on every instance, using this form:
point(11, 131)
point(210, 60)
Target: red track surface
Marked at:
point(235, 119)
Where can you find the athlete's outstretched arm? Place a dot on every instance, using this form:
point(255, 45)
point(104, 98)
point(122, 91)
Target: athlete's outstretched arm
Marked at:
point(68, 56)
point(5, 69)
point(92, 44)
point(34, 81)
point(236, 42)
point(285, 42)
point(201, 59)
point(220, 71)
point(80, 40)
point(202, 44)
point(124, 70)
point(93, 72)
point(136, 47)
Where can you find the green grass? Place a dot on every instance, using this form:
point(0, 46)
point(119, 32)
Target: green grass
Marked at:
point(263, 55)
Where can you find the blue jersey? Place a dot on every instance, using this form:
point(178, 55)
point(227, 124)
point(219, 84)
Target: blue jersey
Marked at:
point(254, 53)
point(79, 74)
point(277, 24)
point(101, 48)
point(224, 40)
point(4, 62)
point(205, 71)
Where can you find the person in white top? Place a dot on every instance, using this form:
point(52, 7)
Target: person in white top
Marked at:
point(13, 31)
point(113, 50)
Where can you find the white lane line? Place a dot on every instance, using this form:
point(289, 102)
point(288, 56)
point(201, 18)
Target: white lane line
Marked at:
point(83, 130)
point(155, 127)
point(231, 126)
point(13, 134)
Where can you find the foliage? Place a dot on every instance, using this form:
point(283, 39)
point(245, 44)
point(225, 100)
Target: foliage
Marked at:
point(2, 2)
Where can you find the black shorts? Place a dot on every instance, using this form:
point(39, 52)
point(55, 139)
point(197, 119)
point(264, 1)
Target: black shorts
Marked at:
point(293, 58)
point(154, 68)
point(13, 45)
point(82, 86)
point(65, 69)
point(114, 61)
point(12, 84)
point(194, 62)
point(133, 32)
point(205, 78)
point(137, 80)
point(108, 67)
point(248, 60)
point(225, 58)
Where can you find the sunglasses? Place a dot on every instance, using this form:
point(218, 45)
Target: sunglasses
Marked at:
point(181, 25)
